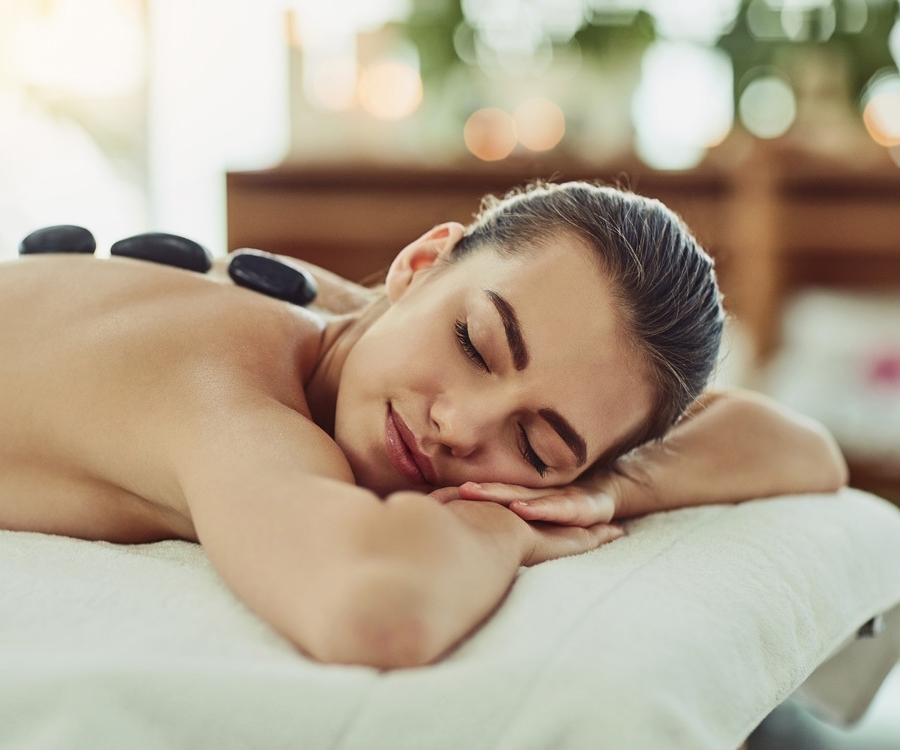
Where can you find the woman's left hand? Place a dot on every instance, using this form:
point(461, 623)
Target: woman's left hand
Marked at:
point(571, 505)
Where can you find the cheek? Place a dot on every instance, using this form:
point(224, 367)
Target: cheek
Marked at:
point(416, 349)
point(390, 362)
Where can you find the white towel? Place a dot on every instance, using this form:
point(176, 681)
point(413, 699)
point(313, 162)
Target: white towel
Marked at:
point(683, 634)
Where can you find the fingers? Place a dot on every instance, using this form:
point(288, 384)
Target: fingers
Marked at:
point(550, 538)
point(571, 508)
point(571, 505)
point(553, 541)
point(498, 492)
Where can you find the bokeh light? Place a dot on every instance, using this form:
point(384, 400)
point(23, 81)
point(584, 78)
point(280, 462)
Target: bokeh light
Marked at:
point(334, 84)
point(327, 34)
point(767, 106)
point(894, 42)
point(701, 21)
point(517, 36)
point(895, 154)
point(764, 21)
point(881, 109)
point(854, 16)
point(539, 124)
point(683, 105)
point(809, 20)
point(490, 134)
point(390, 89)
point(805, 20)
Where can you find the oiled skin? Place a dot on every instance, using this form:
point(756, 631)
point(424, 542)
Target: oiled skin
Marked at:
point(104, 365)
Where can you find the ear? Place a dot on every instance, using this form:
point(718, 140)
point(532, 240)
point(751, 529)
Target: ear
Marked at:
point(421, 255)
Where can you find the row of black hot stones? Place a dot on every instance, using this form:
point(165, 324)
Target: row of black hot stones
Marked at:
point(254, 269)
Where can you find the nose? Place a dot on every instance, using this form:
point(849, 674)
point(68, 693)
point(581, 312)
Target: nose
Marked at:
point(463, 425)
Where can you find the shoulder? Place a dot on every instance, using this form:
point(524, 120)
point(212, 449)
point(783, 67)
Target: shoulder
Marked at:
point(249, 430)
point(335, 294)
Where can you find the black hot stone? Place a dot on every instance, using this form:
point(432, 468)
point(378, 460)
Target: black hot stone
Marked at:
point(169, 249)
point(265, 273)
point(63, 238)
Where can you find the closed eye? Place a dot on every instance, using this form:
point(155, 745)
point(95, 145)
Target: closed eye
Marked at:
point(462, 333)
point(528, 452)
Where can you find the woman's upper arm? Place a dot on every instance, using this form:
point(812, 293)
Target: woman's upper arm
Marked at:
point(777, 434)
point(344, 575)
point(273, 504)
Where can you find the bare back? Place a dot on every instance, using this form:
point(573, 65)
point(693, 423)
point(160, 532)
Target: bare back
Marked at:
point(104, 364)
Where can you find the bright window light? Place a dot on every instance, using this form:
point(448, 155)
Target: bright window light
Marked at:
point(217, 102)
point(90, 48)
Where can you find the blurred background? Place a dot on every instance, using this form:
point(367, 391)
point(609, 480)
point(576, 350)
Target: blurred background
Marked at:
point(340, 131)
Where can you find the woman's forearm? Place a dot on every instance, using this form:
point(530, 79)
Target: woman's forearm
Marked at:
point(733, 446)
point(425, 575)
point(350, 578)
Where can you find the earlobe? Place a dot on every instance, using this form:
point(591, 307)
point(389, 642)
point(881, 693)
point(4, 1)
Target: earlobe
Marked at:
point(421, 255)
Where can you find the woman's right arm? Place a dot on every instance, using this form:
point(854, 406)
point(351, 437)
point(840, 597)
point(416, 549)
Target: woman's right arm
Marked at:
point(346, 576)
point(731, 446)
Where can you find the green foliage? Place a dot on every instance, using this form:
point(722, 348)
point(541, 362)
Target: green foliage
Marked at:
point(603, 36)
point(865, 50)
point(433, 24)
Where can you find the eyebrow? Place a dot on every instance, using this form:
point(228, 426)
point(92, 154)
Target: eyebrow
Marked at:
point(512, 328)
point(568, 433)
point(520, 358)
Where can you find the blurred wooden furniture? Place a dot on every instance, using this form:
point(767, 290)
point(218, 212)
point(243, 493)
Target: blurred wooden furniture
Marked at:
point(778, 221)
point(840, 227)
point(775, 223)
point(354, 219)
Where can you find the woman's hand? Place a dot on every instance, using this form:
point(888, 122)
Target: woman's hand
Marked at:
point(552, 540)
point(536, 514)
point(537, 541)
point(577, 504)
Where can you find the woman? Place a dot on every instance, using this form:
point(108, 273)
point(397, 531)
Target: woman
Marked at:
point(567, 326)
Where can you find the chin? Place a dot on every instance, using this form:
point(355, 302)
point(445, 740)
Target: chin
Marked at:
point(369, 476)
point(378, 477)
point(376, 480)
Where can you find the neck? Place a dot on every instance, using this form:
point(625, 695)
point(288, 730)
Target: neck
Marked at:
point(340, 335)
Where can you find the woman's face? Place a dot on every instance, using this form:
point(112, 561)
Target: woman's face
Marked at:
point(489, 369)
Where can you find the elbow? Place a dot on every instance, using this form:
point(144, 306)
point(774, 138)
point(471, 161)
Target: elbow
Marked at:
point(825, 465)
point(378, 619)
point(835, 469)
point(807, 457)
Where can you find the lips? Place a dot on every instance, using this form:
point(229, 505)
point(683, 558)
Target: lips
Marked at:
point(403, 453)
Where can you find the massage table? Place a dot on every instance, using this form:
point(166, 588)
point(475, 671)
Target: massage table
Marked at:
point(685, 633)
